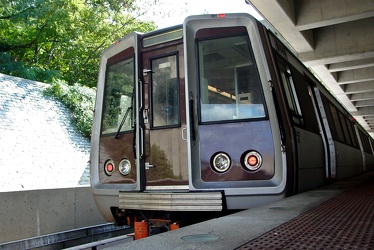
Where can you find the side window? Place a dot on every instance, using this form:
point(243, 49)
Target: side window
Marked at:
point(365, 142)
point(165, 92)
point(337, 125)
point(351, 133)
point(345, 129)
point(290, 92)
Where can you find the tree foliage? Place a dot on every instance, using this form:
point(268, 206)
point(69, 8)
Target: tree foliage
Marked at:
point(48, 39)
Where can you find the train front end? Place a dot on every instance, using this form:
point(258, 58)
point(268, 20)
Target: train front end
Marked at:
point(185, 122)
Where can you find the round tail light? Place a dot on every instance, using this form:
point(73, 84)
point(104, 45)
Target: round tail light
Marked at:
point(252, 160)
point(221, 162)
point(109, 167)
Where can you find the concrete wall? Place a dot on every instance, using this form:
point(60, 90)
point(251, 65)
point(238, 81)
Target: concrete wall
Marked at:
point(25, 214)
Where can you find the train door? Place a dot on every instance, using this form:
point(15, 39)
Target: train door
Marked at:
point(304, 143)
point(328, 142)
point(164, 119)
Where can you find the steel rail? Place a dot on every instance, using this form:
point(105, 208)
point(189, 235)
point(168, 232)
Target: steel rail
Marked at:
point(71, 238)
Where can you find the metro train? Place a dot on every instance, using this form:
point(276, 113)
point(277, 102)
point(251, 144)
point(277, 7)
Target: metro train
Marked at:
point(213, 115)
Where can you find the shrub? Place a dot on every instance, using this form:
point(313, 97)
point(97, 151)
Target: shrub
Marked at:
point(79, 99)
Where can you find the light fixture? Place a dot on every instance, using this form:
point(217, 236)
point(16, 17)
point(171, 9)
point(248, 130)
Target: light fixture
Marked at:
point(252, 160)
point(109, 167)
point(124, 167)
point(221, 162)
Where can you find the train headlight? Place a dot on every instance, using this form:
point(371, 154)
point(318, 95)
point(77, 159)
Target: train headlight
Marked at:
point(109, 167)
point(124, 167)
point(252, 160)
point(221, 162)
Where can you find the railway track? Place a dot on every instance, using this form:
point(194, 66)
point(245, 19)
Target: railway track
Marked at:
point(93, 237)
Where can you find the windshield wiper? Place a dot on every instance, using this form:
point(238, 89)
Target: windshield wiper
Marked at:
point(122, 122)
point(126, 114)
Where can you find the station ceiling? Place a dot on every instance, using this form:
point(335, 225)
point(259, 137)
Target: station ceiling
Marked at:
point(335, 39)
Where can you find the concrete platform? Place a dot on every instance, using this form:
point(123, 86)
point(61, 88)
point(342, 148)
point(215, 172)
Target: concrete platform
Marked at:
point(239, 229)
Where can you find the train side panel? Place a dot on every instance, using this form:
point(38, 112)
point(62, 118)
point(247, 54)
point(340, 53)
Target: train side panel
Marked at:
point(321, 129)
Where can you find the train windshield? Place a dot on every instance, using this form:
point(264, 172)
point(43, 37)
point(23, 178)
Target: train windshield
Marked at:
point(229, 83)
point(118, 97)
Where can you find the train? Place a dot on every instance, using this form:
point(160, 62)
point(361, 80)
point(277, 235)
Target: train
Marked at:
point(214, 115)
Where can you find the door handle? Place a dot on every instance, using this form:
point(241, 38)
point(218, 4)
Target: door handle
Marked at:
point(145, 116)
point(141, 142)
point(148, 166)
point(184, 134)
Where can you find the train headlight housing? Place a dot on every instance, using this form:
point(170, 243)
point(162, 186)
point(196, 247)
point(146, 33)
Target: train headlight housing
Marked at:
point(252, 160)
point(109, 167)
point(221, 162)
point(124, 167)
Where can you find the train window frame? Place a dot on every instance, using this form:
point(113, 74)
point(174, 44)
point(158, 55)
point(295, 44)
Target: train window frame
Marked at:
point(119, 58)
point(213, 34)
point(288, 86)
point(371, 145)
point(345, 128)
point(336, 122)
point(365, 142)
point(351, 132)
point(177, 122)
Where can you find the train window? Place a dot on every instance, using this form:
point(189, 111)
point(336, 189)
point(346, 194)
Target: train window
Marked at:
point(118, 97)
point(165, 92)
point(230, 88)
point(345, 129)
point(338, 127)
point(305, 95)
point(365, 142)
point(290, 92)
point(351, 133)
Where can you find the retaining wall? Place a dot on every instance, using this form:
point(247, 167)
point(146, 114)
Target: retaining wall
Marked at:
point(26, 214)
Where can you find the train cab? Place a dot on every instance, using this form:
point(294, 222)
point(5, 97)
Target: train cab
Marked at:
point(184, 116)
point(213, 115)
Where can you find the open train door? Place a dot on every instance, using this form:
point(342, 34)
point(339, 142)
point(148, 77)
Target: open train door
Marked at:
point(326, 135)
point(163, 108)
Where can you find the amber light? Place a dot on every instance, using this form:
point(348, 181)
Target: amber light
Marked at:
point(252, 160)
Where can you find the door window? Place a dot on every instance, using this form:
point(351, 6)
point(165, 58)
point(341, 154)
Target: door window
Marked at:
point(165, 92)
point(290, 92)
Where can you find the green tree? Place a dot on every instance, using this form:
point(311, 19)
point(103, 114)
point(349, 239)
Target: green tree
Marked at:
point(47, 39)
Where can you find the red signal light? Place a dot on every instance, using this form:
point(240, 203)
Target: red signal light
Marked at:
point(252, 160)
point(109, 167)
